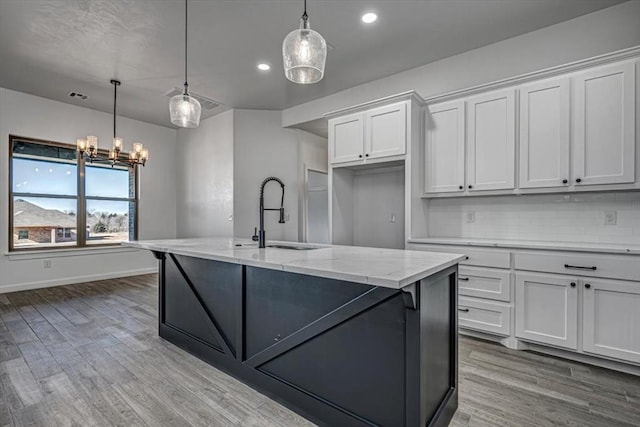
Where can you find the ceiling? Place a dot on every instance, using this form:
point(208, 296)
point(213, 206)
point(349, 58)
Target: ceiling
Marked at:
point(52, 47)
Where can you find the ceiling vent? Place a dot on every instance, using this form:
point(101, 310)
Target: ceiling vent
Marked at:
point(77, 95)
point(205, 103)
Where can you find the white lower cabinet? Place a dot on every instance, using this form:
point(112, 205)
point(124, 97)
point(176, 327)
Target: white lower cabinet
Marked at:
point(547, 309)
point(611, 319)
point(484, 316)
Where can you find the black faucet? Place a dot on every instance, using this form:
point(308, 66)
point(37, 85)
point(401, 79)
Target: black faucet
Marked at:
point(261, 237)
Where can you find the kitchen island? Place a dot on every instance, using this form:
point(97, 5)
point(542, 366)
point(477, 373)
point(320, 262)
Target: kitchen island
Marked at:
point(345, 336)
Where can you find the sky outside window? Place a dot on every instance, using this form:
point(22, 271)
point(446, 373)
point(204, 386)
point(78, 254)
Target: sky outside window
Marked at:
point(60, 178)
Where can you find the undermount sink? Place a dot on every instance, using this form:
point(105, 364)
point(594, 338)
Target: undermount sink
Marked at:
point(292, 247)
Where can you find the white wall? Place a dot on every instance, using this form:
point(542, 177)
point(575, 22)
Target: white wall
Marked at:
point(594, 34)
point(205, 178)
point(563, 218)
point(263, 148)
point(31, 116)
point(379, 195)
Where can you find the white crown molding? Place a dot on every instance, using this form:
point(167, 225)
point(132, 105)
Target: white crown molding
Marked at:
point(402, 96)
point(607, 58)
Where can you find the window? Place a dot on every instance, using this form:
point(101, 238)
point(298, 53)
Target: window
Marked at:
point(56, 200)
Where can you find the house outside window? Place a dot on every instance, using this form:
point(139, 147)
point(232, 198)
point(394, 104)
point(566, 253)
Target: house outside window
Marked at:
point(57, 200)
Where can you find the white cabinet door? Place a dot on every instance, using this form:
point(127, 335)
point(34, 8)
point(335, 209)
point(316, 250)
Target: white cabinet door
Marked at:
point(346, 138)
point(611, 319)
point(604, 125)
point(444, 153)
point(547, 309)
point(544, 134)
point(386, 131)
point(491, 141)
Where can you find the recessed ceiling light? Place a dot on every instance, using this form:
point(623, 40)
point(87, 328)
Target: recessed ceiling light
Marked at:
point(264, 67)
point(369, 17)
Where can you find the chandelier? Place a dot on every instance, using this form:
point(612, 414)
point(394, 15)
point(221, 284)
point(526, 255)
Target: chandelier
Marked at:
point(89, 146)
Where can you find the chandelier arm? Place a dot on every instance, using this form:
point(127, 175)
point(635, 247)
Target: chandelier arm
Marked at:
point(115, 97)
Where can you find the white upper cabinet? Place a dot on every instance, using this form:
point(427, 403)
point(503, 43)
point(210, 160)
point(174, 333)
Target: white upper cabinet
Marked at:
point(346, 138)
point(378, 133)
point(444, 153)
point(544, 133)
point(491, 141)
point(604, 125)
point(386, 131)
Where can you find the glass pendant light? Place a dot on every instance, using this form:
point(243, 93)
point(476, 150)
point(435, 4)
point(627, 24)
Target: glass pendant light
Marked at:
point(183, 108)
point(304, 52)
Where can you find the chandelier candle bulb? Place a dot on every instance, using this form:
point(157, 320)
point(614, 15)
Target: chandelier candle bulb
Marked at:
point(132, 155)
point(92, 142)
point(112, 154)
point(117, 144)
point(144, 154)
point(137, 147)
point(82, 144)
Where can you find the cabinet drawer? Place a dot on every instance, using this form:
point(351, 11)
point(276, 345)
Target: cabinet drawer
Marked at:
point(608, 266)
point(485, 316)
point(477, 257)
point(485, 283)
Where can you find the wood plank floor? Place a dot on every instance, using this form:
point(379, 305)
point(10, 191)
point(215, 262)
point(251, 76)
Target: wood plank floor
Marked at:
point(89, 354)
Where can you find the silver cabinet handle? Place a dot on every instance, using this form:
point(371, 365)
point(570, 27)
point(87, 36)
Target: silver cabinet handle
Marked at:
point(463, 279)
point(464, 310)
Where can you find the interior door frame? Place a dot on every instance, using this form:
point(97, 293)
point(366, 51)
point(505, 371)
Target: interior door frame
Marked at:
point(305, 200)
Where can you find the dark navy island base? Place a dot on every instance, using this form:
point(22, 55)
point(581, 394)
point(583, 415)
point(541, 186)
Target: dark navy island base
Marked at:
point(339, 353)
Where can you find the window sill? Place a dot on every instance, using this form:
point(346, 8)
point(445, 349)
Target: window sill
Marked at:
point(59, 253)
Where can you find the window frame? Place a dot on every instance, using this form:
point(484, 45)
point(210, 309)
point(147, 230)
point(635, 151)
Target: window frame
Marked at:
point(81, 199)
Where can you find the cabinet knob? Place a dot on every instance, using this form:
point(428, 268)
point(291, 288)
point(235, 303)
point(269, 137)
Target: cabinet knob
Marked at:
point(460, 187)
point(564, 181)
point(366, 155)
point(471, 186)
point(588, 286)
point(360, 155)
point(573, 284)
point(578, 179)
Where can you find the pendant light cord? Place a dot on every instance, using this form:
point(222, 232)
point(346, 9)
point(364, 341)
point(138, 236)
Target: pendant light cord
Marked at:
point(186, 34)
point(304, 15)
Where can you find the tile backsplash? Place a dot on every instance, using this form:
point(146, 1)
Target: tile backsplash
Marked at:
point(557, 218)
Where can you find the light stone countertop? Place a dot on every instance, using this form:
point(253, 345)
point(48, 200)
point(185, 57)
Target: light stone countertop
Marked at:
point(389, 268)
point(608, 248)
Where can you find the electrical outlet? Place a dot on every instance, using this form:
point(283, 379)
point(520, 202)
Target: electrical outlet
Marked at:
point(470, 217)
point(392, 218)
point(47, 263)
point(610, 218)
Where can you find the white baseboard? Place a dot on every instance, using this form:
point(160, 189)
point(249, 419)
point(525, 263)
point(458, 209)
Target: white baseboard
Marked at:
point(516, 344)
point(73, 280)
